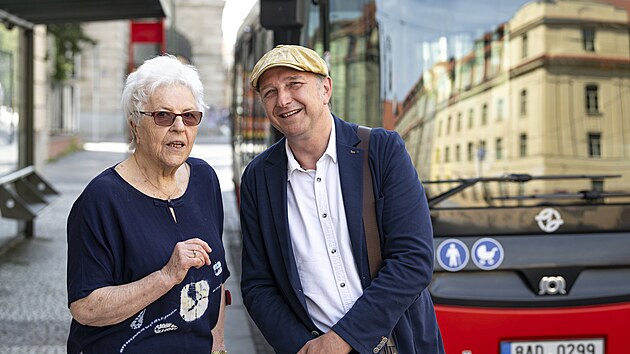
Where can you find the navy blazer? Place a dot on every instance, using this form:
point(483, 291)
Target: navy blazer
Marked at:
point(396, 300)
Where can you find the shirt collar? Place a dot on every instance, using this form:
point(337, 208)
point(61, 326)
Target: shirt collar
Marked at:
point(331, 150)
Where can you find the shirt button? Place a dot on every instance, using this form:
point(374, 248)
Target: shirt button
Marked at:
point(319, 179)
point(342, 285)
point(333, 251)
point(324, 215)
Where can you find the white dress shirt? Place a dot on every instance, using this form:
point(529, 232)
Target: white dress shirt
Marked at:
point(320, 237)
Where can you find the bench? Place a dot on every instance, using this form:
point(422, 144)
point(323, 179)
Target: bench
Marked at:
point(24, 194)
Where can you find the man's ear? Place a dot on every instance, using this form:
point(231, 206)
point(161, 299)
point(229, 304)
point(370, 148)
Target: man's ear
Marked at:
point(327, 85)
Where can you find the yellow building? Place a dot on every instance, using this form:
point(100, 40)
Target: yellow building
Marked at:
point(546, 93)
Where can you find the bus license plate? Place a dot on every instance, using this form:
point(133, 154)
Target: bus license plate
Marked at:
point(581, 346)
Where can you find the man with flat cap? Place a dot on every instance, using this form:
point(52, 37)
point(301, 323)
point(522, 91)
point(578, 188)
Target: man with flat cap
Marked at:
point(305, 276)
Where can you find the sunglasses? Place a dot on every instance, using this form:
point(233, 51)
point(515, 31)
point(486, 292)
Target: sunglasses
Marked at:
point(166, 118)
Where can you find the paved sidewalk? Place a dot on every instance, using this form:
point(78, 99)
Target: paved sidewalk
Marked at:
point(34, 317)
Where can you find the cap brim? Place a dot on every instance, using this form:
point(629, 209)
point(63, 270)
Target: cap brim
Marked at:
point(274, 65)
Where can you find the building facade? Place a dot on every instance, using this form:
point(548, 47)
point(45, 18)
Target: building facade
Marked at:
point(546, 93)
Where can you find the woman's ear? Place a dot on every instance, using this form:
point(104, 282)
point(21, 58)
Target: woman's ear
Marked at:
point(133, 128)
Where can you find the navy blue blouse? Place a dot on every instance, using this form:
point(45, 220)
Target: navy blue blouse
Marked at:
point(117, 235)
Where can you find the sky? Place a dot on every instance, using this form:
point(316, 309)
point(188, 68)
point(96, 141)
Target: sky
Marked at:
point(233, 14)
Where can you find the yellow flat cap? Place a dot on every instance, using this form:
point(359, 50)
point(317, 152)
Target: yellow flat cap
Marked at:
point(291, 56)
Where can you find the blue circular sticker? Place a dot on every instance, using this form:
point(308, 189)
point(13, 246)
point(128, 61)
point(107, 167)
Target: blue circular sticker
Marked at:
point(452, 255)
point(487, 253)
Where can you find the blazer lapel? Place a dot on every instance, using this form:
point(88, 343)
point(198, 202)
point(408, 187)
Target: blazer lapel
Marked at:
point(350, 173)
point(276, 181)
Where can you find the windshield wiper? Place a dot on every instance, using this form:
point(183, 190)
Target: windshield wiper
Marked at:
point(587, 195)
point(522, 178)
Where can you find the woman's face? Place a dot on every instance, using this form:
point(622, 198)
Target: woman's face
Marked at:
point(168, 146)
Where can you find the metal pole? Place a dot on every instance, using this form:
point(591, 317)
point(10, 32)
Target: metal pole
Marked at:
point(324, 24)
point(27, 119)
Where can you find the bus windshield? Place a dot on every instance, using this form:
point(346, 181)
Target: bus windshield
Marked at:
point(485, 89)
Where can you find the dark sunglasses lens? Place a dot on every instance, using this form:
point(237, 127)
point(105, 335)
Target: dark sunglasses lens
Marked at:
point(163, 118)
point(166, 119)
point(192, 118)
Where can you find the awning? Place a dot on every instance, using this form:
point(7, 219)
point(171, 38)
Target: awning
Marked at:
point(60, 11)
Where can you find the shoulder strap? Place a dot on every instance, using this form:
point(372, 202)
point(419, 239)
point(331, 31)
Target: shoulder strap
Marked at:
point(372, 239)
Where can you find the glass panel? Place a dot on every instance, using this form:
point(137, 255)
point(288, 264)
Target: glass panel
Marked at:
point(353, 58)
point(8, 100)
point(519, 74)
point(514, 70)
point(9, 118)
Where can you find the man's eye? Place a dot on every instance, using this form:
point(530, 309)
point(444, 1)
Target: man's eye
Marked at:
point(187, 115)
point(268, 93)
point(295, 84)
point(161, 114)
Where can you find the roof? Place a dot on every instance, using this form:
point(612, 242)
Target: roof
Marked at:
point(60, 11)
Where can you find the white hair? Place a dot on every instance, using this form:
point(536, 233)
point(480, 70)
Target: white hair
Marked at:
point(153, 73)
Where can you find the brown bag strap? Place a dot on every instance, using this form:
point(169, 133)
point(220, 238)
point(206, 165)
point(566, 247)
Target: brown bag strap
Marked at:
point(372, 239)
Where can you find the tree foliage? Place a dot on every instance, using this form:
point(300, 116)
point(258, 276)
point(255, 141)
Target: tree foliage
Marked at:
point(68, 39)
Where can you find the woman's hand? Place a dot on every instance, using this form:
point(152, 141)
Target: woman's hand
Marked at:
point(193, 252)
point(114, 304)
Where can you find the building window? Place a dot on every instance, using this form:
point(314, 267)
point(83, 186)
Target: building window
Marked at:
point(523, 104)
point(471, 152)
point(448, 125)
point(439, 132)
point(524, 46)
point(498, 149)
point(481, 151)
point(446, 154)
point(457, 153)
point(597, 185)
point(500, 109)
point(471, 118)
point(437, 156)
point(588, 39)
point(484, 114)
point(592, 105)
point(523, 145)
point(459, 121)
point(595, 145)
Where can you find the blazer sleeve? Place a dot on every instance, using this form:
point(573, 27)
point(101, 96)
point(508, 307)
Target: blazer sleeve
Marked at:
point(261, 292)
point(406, 246)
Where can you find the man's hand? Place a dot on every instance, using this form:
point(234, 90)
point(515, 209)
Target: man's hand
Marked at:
point(329, 343)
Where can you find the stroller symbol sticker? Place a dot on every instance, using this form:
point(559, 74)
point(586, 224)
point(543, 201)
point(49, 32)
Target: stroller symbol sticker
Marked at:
point(487, 253)
point(452, 255)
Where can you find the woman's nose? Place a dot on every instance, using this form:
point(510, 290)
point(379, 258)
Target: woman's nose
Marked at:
point(178, 124)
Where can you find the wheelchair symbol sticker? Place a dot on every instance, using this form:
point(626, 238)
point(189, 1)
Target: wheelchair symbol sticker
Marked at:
point(487, 253)
point(452, 255)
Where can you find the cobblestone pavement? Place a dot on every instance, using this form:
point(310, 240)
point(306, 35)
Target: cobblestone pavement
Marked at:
point(34, 317)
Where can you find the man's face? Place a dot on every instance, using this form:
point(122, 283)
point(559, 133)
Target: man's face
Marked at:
point(296, 102)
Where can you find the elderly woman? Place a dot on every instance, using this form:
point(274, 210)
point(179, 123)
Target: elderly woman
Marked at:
point(146, 265)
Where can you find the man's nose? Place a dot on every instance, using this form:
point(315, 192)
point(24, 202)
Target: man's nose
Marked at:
point(284, 97)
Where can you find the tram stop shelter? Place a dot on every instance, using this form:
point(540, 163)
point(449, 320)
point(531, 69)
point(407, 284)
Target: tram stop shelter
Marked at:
point(23, 192)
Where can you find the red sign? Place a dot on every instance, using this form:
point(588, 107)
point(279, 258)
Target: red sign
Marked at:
point(147, 32)
point(147, 39)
